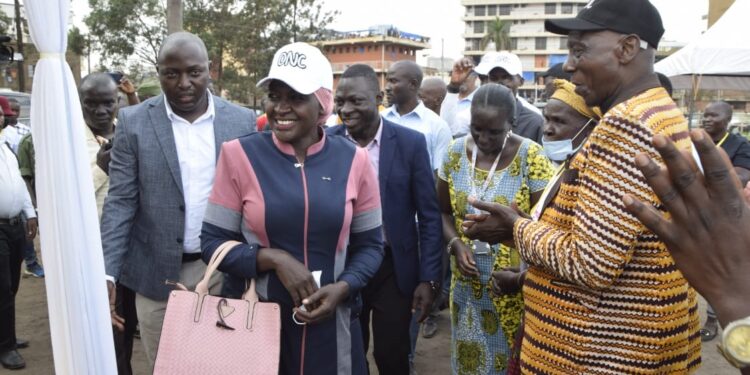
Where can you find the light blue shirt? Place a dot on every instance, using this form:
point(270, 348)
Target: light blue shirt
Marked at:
point(435, 129)
point(457, 113)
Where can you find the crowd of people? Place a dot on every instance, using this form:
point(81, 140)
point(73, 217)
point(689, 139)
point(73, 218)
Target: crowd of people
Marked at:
point(555, 238)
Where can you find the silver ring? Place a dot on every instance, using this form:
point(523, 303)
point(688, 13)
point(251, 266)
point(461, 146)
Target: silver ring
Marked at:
point(294, 318)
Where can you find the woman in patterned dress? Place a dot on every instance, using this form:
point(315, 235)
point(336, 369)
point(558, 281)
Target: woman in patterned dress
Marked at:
point(490, 164)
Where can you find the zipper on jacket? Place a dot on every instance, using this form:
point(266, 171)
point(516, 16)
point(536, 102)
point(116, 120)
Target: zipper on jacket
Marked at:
point(301, 167)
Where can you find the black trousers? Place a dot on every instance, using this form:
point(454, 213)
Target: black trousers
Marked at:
point(391, 315)
point(12, 243)
point(125, 307)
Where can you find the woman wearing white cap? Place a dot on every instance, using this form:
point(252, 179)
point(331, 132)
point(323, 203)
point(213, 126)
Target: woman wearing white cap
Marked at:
point(307, 208)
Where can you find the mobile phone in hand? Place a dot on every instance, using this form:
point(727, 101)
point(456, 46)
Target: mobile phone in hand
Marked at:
point(116, 76)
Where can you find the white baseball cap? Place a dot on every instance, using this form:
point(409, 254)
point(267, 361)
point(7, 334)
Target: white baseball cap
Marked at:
point(504, 59)
point(302, 67)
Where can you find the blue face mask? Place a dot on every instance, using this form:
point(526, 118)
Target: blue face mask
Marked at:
point(559, 151)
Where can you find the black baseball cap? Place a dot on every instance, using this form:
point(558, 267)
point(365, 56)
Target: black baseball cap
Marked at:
point(557, 71)
point(638, 17)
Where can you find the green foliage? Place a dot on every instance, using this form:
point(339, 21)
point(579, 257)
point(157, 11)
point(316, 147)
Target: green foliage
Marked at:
point(498, 32)
point(241, 35)
point(124, 28)
point(5, 24)
point(77, 42)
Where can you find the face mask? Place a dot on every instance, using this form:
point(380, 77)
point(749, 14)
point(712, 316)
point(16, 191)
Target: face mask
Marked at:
point(559, 151)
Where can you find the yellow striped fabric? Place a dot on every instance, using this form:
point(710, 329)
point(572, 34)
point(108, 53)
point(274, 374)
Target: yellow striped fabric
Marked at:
point(603, 295)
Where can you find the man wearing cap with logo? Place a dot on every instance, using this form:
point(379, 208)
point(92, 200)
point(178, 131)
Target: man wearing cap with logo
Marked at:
point(602, 293)
point(505, 68)
point(496, 67)
point(161, 173)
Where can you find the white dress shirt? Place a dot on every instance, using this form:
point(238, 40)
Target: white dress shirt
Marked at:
point(14, 197)
point(457, 113)
point(435, 129)
point(196, 151)
point(14, 133)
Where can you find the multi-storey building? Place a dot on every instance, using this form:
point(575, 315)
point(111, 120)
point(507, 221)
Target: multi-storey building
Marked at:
point(537, 48)
point(378, 46)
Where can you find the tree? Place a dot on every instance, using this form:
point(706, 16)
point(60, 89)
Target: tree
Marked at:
point(77, 42)
point(123, 28)
point(498, 32)
point(5, 23)
point(241, 35)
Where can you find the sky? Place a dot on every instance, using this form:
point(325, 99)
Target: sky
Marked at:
point(441, 19)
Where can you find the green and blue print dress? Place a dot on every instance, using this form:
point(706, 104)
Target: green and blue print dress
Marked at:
point(483, 325)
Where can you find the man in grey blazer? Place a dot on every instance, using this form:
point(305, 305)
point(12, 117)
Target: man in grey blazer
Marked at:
point(161, 173)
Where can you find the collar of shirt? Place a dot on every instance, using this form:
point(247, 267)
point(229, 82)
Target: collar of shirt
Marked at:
point(209, 114)
point(375, 141)
point(468, 98)
point(417, 111)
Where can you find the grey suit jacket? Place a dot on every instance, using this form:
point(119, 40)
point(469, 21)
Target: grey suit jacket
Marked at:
point(143, 219)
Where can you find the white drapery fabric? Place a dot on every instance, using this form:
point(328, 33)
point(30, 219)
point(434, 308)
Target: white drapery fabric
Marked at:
point(69, 228)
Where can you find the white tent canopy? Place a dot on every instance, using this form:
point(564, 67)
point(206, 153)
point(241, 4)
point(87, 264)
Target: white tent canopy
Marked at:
point(721, 50)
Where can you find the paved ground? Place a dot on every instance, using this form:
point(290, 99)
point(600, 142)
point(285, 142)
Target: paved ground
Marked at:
point(432, 354)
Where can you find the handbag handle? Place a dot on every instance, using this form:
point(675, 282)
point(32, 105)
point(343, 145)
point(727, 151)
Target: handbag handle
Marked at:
point(250, 294)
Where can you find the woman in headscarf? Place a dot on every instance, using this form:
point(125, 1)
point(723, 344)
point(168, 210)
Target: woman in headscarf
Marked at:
point(567, 122)
point(306, 206)
point(490, 164)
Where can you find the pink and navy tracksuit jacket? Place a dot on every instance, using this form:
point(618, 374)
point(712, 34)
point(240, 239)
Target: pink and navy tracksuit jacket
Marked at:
point(325, 212)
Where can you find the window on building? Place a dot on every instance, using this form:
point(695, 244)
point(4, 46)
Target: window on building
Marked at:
point(566, 8)
point(513, 43)
point(469, 10)
point(550, 8)
point(333, 50)
point(478, 27)
point(476, 44)
point(563, 42)
point(541, 43)
point(491, 10)
point(504, 10)
point(480, 10)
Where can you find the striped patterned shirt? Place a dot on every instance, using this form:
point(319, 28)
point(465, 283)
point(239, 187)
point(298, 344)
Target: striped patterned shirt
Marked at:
point(603, 294)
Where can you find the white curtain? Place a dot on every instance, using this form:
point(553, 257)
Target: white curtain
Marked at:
point(69, 227)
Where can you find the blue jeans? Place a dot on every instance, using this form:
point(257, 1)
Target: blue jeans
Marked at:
point(413, 333)
point(29, 253)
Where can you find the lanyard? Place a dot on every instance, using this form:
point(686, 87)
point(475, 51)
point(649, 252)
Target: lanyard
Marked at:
point(480, 194)
point(722, 140)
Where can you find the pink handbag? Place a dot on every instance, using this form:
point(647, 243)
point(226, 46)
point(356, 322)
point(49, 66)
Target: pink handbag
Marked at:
point(204, 334)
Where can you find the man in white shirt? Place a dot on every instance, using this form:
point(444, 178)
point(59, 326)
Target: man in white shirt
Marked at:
point(161, 173)
point(14, 130)
point(456, 108)
point(502, 68)
point(402, 87)
point(15, 202)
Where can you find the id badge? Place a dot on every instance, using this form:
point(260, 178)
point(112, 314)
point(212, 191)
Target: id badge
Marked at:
point(481, 248)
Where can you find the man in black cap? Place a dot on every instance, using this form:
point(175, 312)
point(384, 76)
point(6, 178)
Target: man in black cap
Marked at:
point(602, 293)
point(554, 72)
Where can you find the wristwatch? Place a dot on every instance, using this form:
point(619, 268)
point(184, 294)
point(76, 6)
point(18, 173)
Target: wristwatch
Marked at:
point(435, 286)
point(735, 343)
